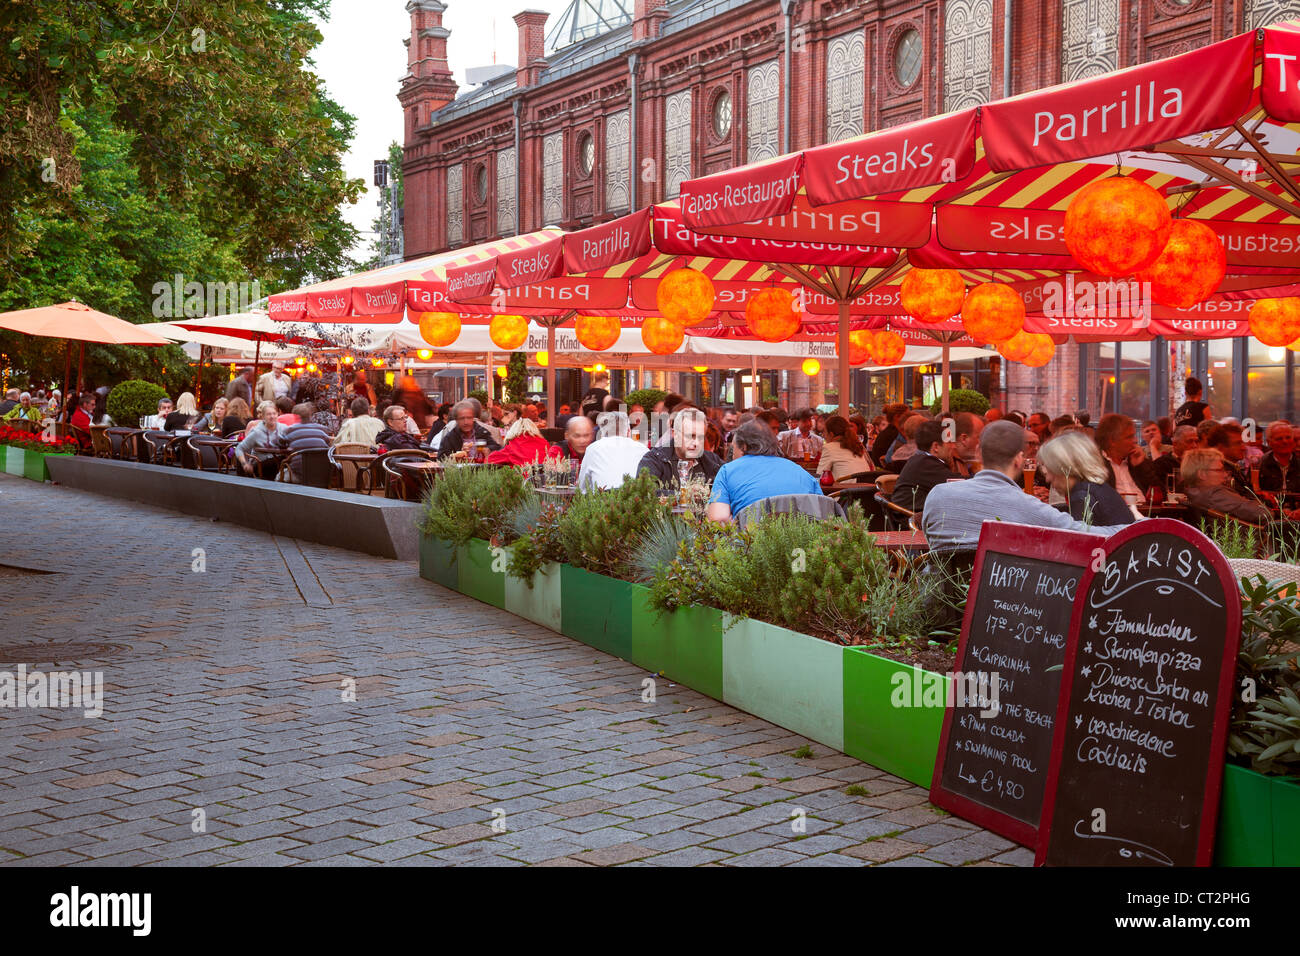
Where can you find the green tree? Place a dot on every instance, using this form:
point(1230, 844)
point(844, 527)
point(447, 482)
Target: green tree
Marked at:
point(517, 377)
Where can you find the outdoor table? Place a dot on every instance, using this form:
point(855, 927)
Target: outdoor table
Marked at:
point(907, 541)
point(424, 471)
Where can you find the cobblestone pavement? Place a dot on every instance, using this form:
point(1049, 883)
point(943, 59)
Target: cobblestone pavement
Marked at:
point(226, 738)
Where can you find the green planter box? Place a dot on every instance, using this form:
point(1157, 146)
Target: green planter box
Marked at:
point(786, 677)
point(686, 645)
point(438, 562)
point(1259, 820)
point(477, 576)
point(597, 610)
point(902, 740)
point(540, 603)
point(25, 464)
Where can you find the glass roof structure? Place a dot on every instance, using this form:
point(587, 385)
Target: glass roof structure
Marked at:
point(584, 19)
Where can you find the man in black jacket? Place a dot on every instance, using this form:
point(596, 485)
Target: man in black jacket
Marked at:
point(887, 434)
point(688, 428)
point(1129, 471)
point(930, 467)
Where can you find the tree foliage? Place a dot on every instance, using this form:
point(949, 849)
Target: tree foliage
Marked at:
point(144, 138)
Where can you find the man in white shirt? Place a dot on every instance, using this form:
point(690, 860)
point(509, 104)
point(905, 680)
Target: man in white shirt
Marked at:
point(361, 428)
point(613, 458)
point(274, 384)
point(1134, 472)
point(156, 422)
point(802, 438)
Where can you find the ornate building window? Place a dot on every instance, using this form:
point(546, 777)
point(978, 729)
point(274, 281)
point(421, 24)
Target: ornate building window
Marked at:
point(907, 58)
point(967, 53)
point(616, 160)
point(586, 154)
point(677, 142)
point(845, 60)
point(480, 183)
point(506, 192)
point(552, 179)
point(455, 205)
point(720, 115)
point(762, 100)
point(1089, 38)
point(1262, 13)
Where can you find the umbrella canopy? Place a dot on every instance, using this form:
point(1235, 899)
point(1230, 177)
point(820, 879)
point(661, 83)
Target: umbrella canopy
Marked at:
point(79, 323)
point(985, 190)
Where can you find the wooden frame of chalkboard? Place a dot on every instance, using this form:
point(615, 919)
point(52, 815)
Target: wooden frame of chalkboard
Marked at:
point(996, 629)
point(1140, 804)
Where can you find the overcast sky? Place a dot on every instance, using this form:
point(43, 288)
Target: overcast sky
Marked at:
point(362, 61)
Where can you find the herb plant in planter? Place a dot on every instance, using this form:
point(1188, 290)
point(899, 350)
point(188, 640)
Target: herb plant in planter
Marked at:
point(1265, 731)
point(468, 503)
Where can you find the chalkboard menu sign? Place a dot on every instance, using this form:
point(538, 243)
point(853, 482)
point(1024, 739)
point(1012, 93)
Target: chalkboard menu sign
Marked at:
point(1137, 756)
point(997, 734)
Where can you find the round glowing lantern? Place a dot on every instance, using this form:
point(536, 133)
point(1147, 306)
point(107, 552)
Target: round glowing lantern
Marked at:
point(508, 331)
point(888, 348)
point(543, 359)
point(439, 329)
point(596, 333)
point(300, 361)
point(685, 296)
point(1276, 321)
point(377, 362)
point(861, 343)
point(1041, 353)
point(811, 367)
point(502, 371)
point(1117, 226)
point(661, 336)
point(425, 354)
point(993, 312)
point(1016, 348)
point(773, 315)
point(348, 360)
point(699, 368)
point(932, 295)
point(1190, 267)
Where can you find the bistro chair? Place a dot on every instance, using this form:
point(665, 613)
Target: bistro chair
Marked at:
point(885, 483)
point(863, 497)
point(819, 507)
point(158, 443)
point(99, 441)
point(121, 443)
point(897, 518)
point(353, 475)
point(396, 484)
point(553, 435)
point(210, 454)
point(312, 467)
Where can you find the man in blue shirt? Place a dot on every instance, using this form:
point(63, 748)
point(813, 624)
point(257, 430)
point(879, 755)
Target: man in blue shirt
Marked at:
point(758, 471)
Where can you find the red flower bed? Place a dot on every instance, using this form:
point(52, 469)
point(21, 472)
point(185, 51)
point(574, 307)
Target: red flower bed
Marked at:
point(23, 439)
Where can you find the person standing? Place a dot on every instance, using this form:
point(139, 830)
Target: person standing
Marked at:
point(241, 386)
point(1193, 411)
point(275, 384)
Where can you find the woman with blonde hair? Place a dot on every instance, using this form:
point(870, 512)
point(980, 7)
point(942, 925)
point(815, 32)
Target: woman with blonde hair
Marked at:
point(524, 445)
point(185, 411)
point(211, 422)
point(1073, 467)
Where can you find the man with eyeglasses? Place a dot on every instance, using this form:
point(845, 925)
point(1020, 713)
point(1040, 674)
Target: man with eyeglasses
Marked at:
point(395, 434)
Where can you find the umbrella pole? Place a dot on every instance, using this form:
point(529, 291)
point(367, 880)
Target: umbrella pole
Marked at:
point(466, 371)
point(550, 375)
point(845, 369)
point(257, 355)
point(946, 375)
point(67, 374)
point(491, 386)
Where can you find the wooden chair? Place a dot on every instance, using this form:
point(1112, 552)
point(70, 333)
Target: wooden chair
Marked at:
point(353, 475)
point(897, 518)
point(99, 442)
point(121, 443)
point(158, 443)
point(885, 483)
point(818, 507)
point(396, 484)
point(314, 468)
point(210, 454)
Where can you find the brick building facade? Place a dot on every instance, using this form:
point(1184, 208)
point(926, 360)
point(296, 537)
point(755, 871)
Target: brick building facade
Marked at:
point(614, 108)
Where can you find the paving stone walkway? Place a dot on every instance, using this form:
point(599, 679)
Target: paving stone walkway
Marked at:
point(229, 735)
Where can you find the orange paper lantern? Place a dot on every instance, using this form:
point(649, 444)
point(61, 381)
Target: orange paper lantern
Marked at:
point(773, 315)
point(439, 329)
point(596, 333)
point(1189, 268)
point(993, 312)
point(508, 331)
point(1016, 348)
point(932, 295)
point(888, 348)
point(661, 336)
point(1117, 226)
point(685, 296)
point(860, 346)
point(1276, 322)
point(543, 359)
point(1041, 353)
